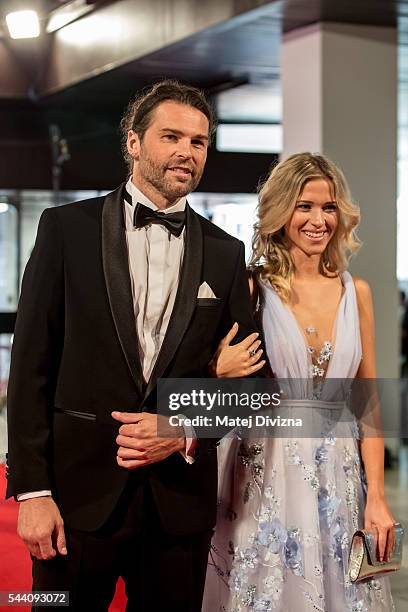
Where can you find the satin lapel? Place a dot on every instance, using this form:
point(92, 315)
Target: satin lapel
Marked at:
point(117, 278)
point(186, 297)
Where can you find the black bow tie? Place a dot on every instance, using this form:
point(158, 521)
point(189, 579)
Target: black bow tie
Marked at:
point(174, 222)
point(143, 215)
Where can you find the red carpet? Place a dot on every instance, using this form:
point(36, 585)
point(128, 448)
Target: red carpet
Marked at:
point(15, 564)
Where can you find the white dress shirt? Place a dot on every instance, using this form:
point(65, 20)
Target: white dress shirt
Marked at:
point(155, 260)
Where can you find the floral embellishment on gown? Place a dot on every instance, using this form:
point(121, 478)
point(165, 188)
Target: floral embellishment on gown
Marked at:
point(272, 535)
point(296, 501)
point(293, 553)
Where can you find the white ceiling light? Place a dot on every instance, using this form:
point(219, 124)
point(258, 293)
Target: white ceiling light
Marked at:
point(23, 24)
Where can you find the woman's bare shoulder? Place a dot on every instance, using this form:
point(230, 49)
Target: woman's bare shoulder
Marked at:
point(364, 299)
point(363, 289)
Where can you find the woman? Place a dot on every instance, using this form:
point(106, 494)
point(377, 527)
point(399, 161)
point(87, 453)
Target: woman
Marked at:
point(288, 507)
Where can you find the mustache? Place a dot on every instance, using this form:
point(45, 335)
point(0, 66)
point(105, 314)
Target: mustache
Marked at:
point(184, 166)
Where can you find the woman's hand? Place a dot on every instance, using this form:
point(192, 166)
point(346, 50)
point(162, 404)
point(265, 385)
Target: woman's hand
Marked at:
point(378, 518)
point(238, 360)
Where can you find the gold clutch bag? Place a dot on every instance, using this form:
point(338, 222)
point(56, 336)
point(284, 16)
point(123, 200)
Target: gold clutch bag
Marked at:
point(363, 561)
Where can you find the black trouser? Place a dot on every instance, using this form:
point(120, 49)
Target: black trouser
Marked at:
point(161, 572)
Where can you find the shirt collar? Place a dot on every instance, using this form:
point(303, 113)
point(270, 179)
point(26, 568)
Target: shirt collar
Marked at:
point(138, 196)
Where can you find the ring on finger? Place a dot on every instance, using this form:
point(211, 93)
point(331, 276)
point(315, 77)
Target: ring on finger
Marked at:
point(252, 352)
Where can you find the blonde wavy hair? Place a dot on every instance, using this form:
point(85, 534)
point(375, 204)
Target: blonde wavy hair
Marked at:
point(278, 195)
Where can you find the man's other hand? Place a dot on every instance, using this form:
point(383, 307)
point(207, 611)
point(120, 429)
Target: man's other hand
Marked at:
point(41, 527)
point(138, 440)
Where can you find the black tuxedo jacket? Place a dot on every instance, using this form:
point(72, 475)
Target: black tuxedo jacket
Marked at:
point(75, 360)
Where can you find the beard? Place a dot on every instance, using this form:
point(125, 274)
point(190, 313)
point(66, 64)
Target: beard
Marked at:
point(171, 187)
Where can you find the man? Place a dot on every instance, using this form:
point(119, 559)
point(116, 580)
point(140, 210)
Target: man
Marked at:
point(115, 296)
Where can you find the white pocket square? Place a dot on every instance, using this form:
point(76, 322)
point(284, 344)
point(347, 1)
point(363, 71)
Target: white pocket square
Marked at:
point(205, 291)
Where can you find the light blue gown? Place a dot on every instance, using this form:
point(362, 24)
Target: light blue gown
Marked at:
point(288, 507)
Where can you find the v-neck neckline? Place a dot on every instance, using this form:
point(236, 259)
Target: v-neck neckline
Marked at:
point(334, 332)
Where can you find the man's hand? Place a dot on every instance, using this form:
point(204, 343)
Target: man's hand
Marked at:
point(41, 527)
point(138, 442)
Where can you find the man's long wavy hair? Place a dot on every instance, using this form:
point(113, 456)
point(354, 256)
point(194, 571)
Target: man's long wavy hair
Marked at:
point(271, 259)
